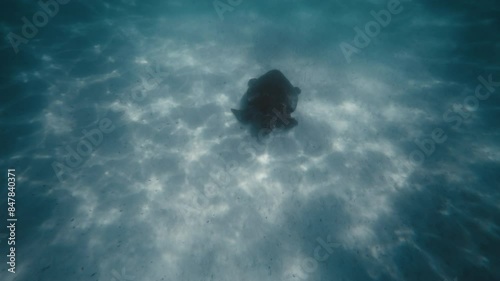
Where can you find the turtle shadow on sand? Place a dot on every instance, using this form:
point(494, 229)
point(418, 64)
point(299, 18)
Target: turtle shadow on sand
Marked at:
point(268, 104)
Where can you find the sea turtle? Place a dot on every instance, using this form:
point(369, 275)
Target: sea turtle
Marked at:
point(268, 103)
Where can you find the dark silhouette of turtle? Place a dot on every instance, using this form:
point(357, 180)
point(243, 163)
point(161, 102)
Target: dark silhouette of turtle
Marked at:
point(268, 103)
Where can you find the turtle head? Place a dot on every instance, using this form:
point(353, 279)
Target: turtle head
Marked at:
point(252, 82)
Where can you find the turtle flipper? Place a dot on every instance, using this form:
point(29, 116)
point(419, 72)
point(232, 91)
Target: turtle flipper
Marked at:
point(240, 115)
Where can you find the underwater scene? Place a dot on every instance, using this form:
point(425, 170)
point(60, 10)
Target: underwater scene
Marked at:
point(283, 140)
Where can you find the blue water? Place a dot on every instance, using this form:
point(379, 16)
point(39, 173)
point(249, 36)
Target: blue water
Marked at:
point(129, 164)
